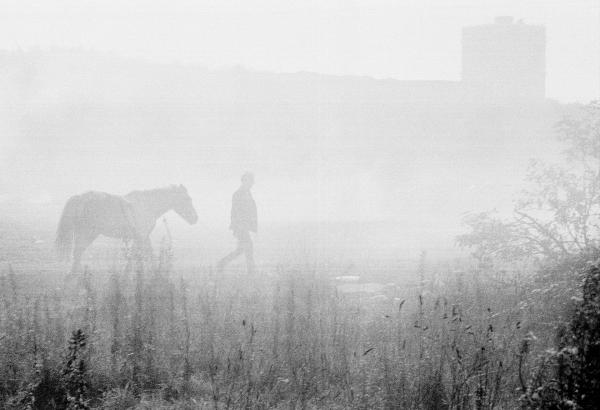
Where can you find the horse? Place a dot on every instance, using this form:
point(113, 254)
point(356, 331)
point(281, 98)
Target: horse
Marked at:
point(131, 217)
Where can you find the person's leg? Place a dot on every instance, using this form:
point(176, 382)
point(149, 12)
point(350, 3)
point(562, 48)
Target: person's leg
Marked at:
point(249, 252)
point(231, 256)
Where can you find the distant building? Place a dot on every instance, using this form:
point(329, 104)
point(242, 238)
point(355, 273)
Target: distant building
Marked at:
point(504, 61)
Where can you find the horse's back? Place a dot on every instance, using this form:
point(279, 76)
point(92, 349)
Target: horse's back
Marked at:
point(98, 196)
point(106, 214)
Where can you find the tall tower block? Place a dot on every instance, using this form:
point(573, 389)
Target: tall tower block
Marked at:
point(505, 61)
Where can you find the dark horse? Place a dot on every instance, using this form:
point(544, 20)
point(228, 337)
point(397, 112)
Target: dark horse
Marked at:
point(131, 217)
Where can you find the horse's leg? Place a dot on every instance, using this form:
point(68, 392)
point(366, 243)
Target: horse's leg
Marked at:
point(82, 241)
point(128, 253)
point(77, 252)
point(142, 250)
point(148, 248)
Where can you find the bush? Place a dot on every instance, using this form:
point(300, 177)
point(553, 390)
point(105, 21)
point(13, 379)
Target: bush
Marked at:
point(569, 376)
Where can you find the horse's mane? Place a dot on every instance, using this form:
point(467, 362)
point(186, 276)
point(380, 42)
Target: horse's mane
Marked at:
point(171, 187)
point(155, 192)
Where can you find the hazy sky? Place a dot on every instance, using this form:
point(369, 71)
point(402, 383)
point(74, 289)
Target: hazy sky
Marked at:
point(403, 39)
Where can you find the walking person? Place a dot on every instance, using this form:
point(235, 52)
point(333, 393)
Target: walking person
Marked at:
point(243, 221)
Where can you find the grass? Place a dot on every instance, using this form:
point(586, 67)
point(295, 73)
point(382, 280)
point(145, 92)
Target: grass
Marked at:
point(282, 339)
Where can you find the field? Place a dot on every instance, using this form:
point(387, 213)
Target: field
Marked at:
point(420, 182)
point(298, 335)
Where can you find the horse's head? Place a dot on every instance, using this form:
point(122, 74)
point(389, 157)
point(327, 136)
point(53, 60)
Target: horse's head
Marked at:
point(183, 205)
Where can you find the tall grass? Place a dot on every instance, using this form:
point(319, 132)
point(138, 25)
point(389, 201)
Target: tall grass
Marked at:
point(283, 339)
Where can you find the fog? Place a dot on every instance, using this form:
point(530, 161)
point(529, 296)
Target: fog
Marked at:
point(337, 204)
point(317, 100)
point(407, 40)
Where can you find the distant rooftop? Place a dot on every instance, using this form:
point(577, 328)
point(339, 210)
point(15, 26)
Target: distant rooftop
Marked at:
point(504, 20)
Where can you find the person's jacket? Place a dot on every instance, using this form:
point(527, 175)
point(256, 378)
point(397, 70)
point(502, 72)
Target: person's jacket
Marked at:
point(243, 211)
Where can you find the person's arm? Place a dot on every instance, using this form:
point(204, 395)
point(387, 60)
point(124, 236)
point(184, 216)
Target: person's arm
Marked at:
point(235, 211)
point(254, 217)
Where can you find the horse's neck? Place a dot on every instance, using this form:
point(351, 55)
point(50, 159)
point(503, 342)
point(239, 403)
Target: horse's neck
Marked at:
point(152, 205)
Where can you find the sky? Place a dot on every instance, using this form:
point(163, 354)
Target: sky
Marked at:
point(401, 39)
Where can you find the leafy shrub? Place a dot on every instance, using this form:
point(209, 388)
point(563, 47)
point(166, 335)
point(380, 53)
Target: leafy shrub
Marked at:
point(569, 376)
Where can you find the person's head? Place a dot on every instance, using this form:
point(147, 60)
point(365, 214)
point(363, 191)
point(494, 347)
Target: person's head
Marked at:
point(248, 180)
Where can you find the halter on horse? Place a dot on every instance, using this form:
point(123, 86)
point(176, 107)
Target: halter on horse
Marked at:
point(129, 217)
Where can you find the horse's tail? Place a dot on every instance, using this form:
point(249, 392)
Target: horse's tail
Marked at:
point(66, 227)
